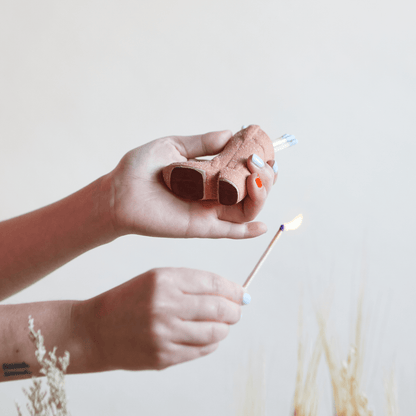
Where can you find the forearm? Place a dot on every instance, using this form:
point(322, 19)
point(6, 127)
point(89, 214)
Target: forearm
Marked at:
point(60, 326)
point(35, 244)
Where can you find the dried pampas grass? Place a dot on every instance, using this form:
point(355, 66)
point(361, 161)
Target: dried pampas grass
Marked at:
point(346, 376)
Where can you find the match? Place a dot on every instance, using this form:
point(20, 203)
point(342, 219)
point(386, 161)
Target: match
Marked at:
point(283, 142)
point(292, 225)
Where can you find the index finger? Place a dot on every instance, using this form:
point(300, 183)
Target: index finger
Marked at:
point(197, 282)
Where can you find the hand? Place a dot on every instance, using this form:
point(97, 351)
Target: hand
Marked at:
point(143, 204)
point(163, 317)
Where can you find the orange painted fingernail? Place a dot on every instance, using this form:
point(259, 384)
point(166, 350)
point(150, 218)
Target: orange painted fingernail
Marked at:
point(258, 182)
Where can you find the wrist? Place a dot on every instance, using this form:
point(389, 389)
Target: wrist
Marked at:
point(37, 243)
point(103, 194)
point(86, 354)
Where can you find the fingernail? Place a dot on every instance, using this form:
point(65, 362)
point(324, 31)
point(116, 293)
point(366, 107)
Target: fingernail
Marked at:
point(275, 167)
point(246, 299)
point(258, 182)
point(257, 161)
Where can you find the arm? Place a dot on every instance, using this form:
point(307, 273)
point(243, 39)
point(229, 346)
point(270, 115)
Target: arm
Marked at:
point(160, 318)
point(58, 324)
point(132, 199)
point(35, 244)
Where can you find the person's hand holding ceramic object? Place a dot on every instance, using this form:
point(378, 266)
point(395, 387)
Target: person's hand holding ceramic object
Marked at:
point(143, 204)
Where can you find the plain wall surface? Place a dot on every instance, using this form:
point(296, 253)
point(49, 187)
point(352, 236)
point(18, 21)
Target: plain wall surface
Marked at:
point(82, 83)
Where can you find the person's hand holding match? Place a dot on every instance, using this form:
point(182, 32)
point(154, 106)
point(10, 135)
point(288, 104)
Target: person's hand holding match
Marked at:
point(160, 318)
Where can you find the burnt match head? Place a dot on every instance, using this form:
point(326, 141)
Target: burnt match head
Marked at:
point(282, 227)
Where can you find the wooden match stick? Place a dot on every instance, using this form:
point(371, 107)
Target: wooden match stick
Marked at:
point(263, 257)
point(292, 225)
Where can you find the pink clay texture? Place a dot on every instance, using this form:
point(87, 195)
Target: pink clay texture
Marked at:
point(231, 163)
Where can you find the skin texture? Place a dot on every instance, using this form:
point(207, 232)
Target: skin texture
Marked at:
point(160, 318)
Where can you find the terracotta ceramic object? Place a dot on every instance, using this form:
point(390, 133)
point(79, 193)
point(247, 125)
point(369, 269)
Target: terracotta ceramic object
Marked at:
point(224, 177)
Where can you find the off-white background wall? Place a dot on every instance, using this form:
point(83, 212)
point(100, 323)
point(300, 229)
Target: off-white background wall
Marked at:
point(81, 83)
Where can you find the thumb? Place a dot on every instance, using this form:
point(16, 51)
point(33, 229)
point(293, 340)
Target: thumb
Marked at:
point(203, 144)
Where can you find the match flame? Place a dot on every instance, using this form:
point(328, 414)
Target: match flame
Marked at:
point(294, 224)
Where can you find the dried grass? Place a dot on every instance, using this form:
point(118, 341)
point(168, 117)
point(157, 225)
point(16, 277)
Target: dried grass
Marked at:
point(40, 402)
point(346, 377)
point(306, 399)
point(250, 380)
point(390, 389)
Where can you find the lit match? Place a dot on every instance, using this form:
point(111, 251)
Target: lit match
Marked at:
point(292, 225)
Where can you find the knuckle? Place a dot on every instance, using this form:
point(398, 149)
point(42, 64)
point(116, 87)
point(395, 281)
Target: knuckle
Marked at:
point(157, 333)
point(159, 306)
point(176, 143)
point(216, 284)
point(159, 323)
point(157, 275)
point(159, 290)
point(159, 353)
point(221, 308)
point(153, 276)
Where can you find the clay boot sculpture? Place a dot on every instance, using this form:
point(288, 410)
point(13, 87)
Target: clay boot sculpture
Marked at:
point(224, 177)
